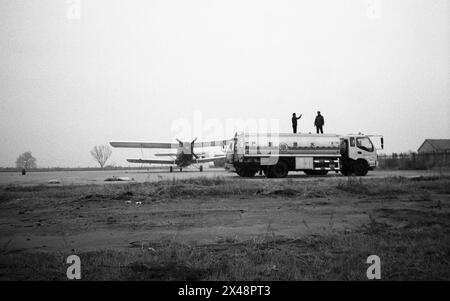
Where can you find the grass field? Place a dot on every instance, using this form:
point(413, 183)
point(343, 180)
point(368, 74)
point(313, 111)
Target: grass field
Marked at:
point(224, 229)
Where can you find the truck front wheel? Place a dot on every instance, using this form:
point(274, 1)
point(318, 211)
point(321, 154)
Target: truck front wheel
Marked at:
point(279, 170)
point(360, 168)
point(345, 170)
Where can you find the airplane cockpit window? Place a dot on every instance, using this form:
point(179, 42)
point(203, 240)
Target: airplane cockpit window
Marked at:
point(365, 144)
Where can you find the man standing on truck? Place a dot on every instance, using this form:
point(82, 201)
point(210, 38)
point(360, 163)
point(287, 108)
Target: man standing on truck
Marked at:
point(294, 122)
point(319, 122)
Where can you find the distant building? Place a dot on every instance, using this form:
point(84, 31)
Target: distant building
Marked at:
point(434, 146)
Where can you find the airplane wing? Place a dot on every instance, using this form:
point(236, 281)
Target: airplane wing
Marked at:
point(212, 143)
point(137, 144)
point(212, 159)
point(165, 155)
point(151, 161)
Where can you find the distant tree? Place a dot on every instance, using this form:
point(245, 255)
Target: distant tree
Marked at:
point(26, 161)
point(101, 154)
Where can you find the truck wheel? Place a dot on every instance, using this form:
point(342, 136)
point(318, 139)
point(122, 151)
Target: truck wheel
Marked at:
point(246, 172)
point(171, 169)
point(240, 171)
point(279, 170)
point(360, 168)
point(345, 172)
point(251, 173)
point(201, 168)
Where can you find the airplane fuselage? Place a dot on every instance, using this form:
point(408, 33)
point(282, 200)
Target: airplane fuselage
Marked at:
point(183, 160)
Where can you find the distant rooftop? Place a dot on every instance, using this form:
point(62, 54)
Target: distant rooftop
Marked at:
point(437, 144)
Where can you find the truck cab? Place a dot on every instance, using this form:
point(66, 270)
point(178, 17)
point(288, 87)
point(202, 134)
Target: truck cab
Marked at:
point(358, 154)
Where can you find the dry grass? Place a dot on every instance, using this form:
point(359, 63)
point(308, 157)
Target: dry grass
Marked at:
point(394, 185)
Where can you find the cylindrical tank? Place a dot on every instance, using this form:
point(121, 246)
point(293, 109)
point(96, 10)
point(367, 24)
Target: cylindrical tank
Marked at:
point(286, 143)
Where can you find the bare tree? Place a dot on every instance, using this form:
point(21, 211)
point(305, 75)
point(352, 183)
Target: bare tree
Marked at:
point(101, 154)
point(26, 161)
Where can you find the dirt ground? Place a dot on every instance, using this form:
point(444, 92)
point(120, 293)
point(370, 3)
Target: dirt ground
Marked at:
point(215, 209)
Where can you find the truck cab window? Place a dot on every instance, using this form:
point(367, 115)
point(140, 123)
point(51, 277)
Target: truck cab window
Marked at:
point(364, 144)
point(352, 141)
point(344, 146)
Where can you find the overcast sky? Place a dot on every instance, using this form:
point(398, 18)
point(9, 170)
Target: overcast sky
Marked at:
point(131, 70)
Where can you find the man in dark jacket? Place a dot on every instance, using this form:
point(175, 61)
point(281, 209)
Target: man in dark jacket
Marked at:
point(319, 122)
point(294, 122)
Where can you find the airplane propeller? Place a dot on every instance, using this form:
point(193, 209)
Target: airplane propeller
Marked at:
point(192, 148)
point(181, 144)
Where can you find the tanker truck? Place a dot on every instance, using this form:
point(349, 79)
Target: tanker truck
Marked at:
point(276, 154)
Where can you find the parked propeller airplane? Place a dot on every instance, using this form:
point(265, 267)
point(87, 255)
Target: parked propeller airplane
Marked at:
point(184, 156)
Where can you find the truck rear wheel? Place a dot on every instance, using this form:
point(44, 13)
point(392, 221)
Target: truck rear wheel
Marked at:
point(246, 172)
point(279, 170)
point(360, 168)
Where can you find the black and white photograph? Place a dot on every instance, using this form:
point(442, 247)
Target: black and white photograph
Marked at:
point(207, 142)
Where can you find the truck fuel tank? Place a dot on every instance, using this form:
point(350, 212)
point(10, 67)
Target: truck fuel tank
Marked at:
point(289, 144)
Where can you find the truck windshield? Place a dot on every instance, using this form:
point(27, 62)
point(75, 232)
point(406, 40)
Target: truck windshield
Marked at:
point(364, 143)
